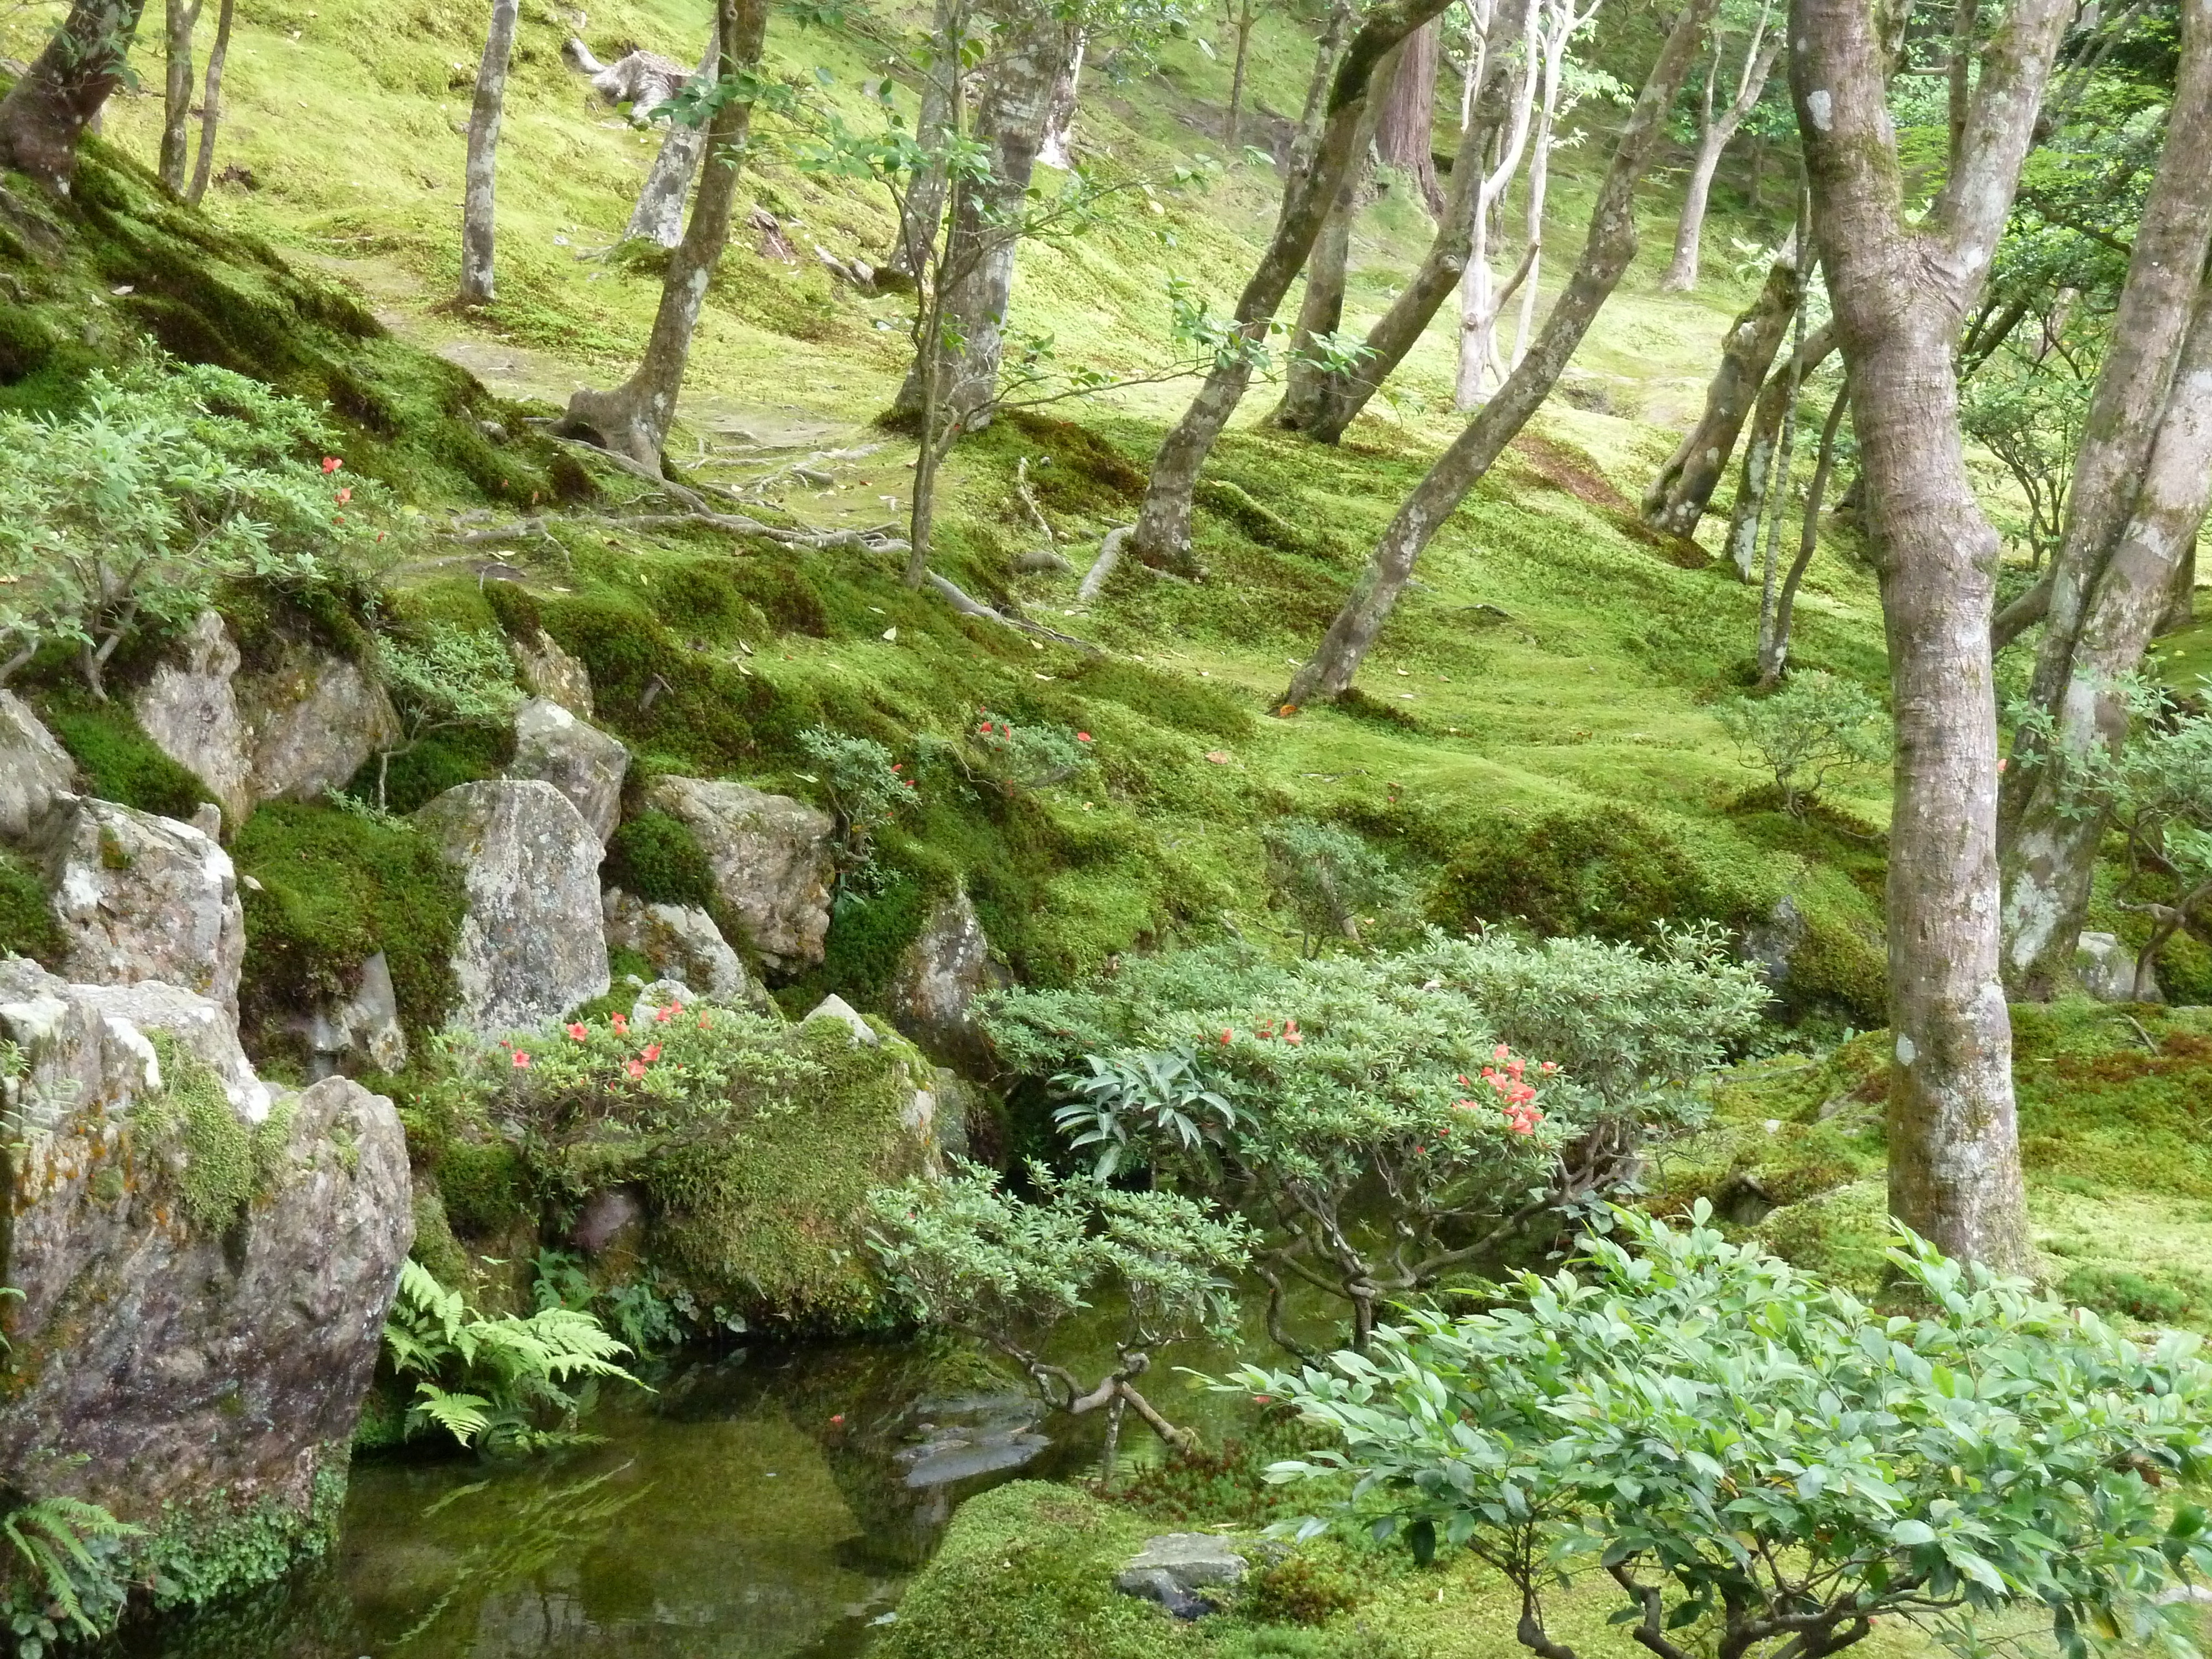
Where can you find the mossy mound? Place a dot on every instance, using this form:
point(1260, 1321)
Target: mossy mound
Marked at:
point(28, 928)
point(656, 857)
point(117, 761)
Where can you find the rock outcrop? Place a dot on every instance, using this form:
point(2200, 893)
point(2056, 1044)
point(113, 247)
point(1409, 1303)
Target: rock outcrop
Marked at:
point(585, 764)
point(361, 1033)
point(34, 769)
point(189, 708)
point(771, 861)
point(1177, 1568)
point(205, 1271)
point(532, 945)
point(681, 941)
point(546, 671)
point(940, 976)
point(2106, 968)
point(139, 897)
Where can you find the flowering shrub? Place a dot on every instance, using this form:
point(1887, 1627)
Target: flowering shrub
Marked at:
point(1031, 757)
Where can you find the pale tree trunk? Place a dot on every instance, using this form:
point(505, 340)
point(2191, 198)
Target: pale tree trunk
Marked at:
point(2133, 511)
point(1404, 136)
point(977, 270)
point(632, 419)
point(1606, 256)
point(1678, 498)
point(1247, 14)
point(1061, 102)
point(1562, 22)
point(1400, 328)
point(658, 215)
point(1901, 293)
point(48, 111)
point(1479, 297)
point(1320, 308)
point(180, 19)
point(922, 212)
point(1774, 646)
point(1162, 533)
point(479, 215)
point(211, 102)
point(1759, 56)
point(1762, 446)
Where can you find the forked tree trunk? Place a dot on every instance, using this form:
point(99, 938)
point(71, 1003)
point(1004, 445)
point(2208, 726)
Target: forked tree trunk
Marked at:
point(632, 419)
point(211, 103)
point(1400, 329)
point(1404, 136)
point(47, 112)
point(2133, 510)
point(1678, 498)
point(658, 215)
point(922, 212)
point(1061, 103)
point(1481, 299)
point(1756, 478)
point(976, 271)
point(1606, 256)
point(1759, 54)
point(180, 19)
point(479, 213)
point(1901, 294)
point(1162, 533)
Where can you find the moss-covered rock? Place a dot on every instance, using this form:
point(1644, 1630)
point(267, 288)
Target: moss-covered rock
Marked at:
point(117, 761)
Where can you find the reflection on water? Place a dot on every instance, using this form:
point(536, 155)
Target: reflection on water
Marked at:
point(765, 1507)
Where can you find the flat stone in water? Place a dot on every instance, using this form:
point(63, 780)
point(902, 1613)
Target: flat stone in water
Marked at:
point(943, 1462)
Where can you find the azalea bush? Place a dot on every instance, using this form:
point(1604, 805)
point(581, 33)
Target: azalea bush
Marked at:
point(166, 483)
point(1029, 756)
point(1758, 1461)
point(1474, 1086)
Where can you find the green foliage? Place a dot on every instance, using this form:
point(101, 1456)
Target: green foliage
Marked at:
point(501, 1386)
point(1614, 874)
point(209, 1550)
point(119, 761)
point(71, 1579)
point(27, 927)
point(1035, 755)
point(1328, 878)
point(1745, 1448)
point(218, 1161)
point(444, 678)
point(1297, 1590)
point(656, 857)
point(1815, 727)
point(867, 792)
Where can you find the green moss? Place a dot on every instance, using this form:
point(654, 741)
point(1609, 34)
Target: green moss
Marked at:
point(335, 889)
point(28, 928)
point(204, 1552)
point(486, 1187)
point(119, 761)
point(656, 857)
point(868, 935)
point(439, 762)
point(217, 1161)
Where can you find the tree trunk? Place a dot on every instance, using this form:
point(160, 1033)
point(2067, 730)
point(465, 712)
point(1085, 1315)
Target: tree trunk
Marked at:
point(1774, 649)
point(478, 214)
point(1248, 14)
point(1606, 256)
point(1321, 310)
point(47, 111)
point(1061, 103)
point(1479, 298)
point(632, 419)
point(1900, 294)
point(2129, 526)
point(1756, 477)
point(210, 102)
point(923, 211)
point(180, 18)
point(1400, 329)
point(658, 215)
point(1678, 498)
point(1759, 54)
point(976, 271)
point(1162, 533)
point(1405, 134)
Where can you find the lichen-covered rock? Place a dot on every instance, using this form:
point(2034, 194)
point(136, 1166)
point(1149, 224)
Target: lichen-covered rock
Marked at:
point(2106, 968)
point(771, 859)
point(197, 1373)
point(940, 976)
point(1173, 1568)
point(34, 769)
point(682, 943)
point(546, 671)
point(363, 1032)
point(532, 945)
point(584, 764)
point(139, 897)
point(189, 708)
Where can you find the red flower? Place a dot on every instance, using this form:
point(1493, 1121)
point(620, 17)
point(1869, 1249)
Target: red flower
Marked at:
point(345, 496)
point(652, 1053)
point(1225, 1035)
point(984, 730)
point(330, 463)
point(636, 1069)
point(663, 1015)
point(837, 1420)
point(1083, 736)
point(578, 1031)
point(521, 1061)
point(620, 1022)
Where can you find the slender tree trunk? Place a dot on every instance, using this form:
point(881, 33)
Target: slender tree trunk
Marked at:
point(1760, 54)
point(658, 215)
point(1678, 498)
point(1162, 533)
point(180, 19)
point(1405, 135)
point(1061, 103)
point(211, 102)
point(1247, 14)
point(1479, 298)
point(1321, 310)
point(1540, 173)
point(479, 217)
point(1779, 512)
point(1901, 293)
point(1606, 256)
point(923, 211)
point(1400, 328)
point(1774, 650)
point(2132, 516)
point(977, 270)
point(47, 112)
point(1756, 478)
point(633, 418)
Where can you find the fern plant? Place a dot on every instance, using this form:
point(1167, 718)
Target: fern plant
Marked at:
point(73, 1582)
point(502, 1387)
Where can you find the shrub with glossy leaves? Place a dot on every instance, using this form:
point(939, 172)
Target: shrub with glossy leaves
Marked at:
point(1759, 1461)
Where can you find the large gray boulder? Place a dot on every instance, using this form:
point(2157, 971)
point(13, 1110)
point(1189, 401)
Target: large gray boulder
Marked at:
point(34, 769)
point(194, 1366)
point(532, 945)
point(938, 977)
point(2106, 968)
point(771, 858)
point(189, 707)
point(682, 943)
point(584, 764)
point(140, 897)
